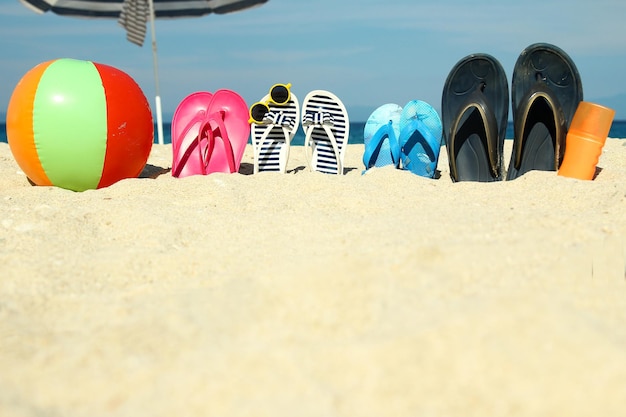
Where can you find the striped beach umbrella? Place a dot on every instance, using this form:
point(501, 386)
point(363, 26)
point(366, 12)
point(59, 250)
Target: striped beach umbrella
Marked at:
point(134, 16)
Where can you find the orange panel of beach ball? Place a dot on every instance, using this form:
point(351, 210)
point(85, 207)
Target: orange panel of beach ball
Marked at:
point(79, 125)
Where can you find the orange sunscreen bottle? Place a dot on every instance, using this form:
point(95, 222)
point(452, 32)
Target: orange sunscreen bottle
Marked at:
point(585, 139)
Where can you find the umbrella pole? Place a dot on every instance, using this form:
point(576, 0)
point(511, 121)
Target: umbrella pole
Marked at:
point(157, 99)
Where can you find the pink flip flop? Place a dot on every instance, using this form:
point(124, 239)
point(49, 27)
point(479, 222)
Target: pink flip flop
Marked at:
point(227, 119)
point(188, 158)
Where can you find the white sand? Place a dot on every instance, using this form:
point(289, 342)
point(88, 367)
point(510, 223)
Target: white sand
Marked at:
point(314, 295)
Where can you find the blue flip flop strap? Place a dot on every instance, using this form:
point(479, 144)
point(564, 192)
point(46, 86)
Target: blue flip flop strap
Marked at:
point(477, 100)
point(521, 115)
point(416, 125)
point(383, 132)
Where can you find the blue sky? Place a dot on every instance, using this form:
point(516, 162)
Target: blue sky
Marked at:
point(367, 52)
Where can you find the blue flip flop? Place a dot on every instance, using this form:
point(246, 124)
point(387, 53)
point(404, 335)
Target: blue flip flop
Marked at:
point(420, 138)
point(380, 137)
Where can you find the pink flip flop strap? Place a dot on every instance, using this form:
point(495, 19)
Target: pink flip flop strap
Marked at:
point(207, 133)
point(221, 132)
point(181, 159)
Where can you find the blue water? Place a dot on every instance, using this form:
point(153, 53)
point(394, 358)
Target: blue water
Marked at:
point(618, 130)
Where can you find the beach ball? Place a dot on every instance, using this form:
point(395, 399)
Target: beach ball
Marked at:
point(79, 125)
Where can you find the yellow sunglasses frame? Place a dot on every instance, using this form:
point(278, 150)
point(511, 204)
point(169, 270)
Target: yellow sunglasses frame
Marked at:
point(269, 101)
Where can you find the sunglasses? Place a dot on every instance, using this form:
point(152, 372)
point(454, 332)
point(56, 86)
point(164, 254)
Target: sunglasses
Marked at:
point(280, 94)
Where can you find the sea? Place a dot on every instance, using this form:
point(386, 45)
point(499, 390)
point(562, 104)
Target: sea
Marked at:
point(618, 130)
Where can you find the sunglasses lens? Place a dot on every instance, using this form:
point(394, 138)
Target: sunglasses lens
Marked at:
point(280, 94)
point(258, 111)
